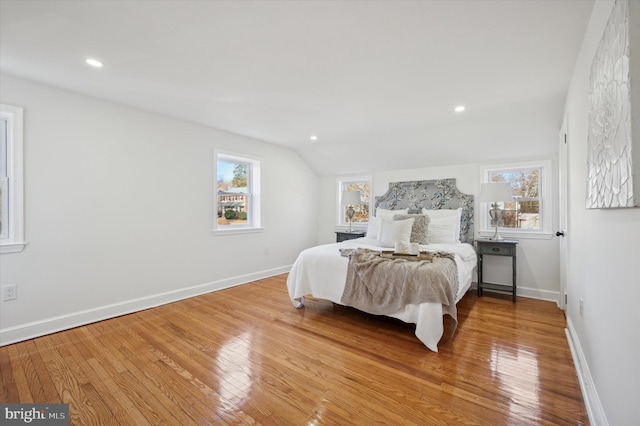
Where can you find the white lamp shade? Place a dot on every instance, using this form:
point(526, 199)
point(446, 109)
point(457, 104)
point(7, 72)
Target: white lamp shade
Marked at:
point(494, 192)
point(351, 198)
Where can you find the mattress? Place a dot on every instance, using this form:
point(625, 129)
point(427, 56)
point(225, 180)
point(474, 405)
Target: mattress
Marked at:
point(321, 272)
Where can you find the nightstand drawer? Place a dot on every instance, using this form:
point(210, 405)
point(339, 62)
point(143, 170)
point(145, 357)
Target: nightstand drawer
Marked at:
point(497, 249)
point(343, 236)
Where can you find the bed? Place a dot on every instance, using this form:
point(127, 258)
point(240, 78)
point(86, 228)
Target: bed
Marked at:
point(325, 271)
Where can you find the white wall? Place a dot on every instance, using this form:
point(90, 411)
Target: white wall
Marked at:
point(537, 259)
point(603, 267)
point(119, 215)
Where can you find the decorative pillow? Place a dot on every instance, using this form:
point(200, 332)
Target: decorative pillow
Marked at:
point(389, 213)
point(373, 229)
point(443, 230)
point(392, 231)
point(419, 231)
point(444, 213)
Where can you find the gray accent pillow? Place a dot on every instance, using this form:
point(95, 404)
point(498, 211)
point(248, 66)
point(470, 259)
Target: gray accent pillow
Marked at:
point(420, 229)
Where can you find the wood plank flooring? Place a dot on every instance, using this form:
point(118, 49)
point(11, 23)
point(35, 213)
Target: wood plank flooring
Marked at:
point(245, 356)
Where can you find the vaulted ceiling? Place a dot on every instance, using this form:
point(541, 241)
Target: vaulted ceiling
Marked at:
point(376, 81)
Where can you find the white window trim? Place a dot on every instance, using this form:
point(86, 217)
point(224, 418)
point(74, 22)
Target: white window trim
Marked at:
point(4, 201)
point(14, 242)
point(546, 191)
point(255, 223)
point(341, 221)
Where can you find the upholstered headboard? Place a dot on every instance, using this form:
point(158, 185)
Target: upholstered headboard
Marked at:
point(430, 194)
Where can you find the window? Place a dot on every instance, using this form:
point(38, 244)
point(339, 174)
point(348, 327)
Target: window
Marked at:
point(530, 211)
point(237, 197)
point(4, 182)
point(11, 178)
point(361, 216)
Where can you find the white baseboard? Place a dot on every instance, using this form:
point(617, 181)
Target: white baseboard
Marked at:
point(536, 293)
point(64, 322)
point(592, 403)
point(531, 293)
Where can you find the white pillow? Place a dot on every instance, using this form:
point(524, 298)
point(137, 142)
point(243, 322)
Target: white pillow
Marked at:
point(444, 230)
point(445, 213)
point(420, 230)
point(373, 229)
point(393, 231)
point(442, 212)
point(389, 213)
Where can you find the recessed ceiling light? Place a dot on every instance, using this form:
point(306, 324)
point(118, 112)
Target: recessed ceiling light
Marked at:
point(459, 108)
point(313, 137)
point(94, 63)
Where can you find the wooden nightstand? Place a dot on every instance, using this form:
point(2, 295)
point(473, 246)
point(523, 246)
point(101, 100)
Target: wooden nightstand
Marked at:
point(497, 248)
point(342, 236)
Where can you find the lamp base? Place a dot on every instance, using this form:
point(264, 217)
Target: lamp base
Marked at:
point(496, 215)
point(350, 213)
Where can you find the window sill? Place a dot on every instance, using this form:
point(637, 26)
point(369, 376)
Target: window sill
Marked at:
point(12, 247)
point(517, 235)
point(235, 231)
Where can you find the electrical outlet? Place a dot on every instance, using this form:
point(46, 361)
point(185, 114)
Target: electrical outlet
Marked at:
point(581, 306)
point(9, 292)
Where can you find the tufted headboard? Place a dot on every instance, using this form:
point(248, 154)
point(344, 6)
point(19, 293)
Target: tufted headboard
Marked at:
point(430, 194)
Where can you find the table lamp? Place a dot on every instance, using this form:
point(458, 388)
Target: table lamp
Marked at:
point(494, 193)
point(350, 199)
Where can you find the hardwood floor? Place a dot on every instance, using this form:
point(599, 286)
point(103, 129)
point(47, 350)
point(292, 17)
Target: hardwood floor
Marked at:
point(245, 356)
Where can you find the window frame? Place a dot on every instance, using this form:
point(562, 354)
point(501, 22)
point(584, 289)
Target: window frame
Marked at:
point(546, 201)
point(341, 220)
point(12, 240)
point(254, 199)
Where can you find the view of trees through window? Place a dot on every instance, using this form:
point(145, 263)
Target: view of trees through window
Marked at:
point(524, 211)
point(233, 193)
point(361, 211)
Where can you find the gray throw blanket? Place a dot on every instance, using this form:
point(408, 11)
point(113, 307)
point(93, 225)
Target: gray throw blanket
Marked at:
point(382, 285)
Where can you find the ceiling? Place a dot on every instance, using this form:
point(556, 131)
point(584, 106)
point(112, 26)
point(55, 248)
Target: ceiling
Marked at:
point(376, 81)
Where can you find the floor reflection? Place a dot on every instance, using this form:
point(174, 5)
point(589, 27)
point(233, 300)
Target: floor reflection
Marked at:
point(234, 371)
point(516, 372)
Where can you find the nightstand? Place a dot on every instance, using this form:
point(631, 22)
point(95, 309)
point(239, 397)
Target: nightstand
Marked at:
point(342, 236)
point(497, 248)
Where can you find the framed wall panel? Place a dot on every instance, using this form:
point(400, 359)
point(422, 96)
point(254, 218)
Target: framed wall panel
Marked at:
point(613, 156)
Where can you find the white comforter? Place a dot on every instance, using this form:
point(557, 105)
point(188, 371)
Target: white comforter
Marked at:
point(321, 272)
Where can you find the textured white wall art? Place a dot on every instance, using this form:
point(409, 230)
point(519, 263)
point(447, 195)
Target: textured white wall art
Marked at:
point(613, 157)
